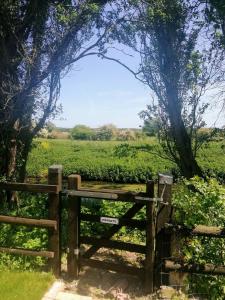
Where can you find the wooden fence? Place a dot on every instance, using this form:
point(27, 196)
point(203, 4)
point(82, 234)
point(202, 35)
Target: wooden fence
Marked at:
point(53, 189)
point(161, 233)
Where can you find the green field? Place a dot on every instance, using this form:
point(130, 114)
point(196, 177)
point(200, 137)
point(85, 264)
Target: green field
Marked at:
point(97, 160)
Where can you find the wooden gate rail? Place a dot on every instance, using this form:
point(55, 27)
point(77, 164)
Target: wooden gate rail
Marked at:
point(113, 267)
point(139, 200)
point(53, 190)
point(125, 197)
point(140, 224)
point(113, 244)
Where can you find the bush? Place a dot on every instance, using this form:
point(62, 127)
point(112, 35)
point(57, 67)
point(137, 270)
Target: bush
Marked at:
point(106, 133)
point(82, 132)
point(203, 204)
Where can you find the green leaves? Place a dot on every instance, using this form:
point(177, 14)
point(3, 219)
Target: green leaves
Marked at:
point(203, 204)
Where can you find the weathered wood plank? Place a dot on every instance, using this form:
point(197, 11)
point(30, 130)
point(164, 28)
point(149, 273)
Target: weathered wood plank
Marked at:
point(198, 230)
point(90, 194)
point(27, 187)
point(29, 222)
point(140, 224)
point(128, 196)
point(112, 191)
point(171, 265)
point(101, 242)
point(113, 267)
point(208, 231)
point(48, 254)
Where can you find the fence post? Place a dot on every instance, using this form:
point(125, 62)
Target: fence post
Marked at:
point(74, 183)
point(55, 178)
point(150, 239)
point(163, 239)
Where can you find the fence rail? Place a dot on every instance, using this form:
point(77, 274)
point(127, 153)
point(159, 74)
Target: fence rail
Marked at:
point(52, 224)
point(27, 187)
point(29, 222)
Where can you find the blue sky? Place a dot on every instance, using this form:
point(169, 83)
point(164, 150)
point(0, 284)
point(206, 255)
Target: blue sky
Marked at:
point(98, 92)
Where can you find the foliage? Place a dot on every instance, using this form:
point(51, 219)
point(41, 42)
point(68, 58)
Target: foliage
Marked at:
point(203, 204)
point(82, 132)
point(106, 132)
point(151, 127)
point(215, 12)
point(113, 161)
point(125, 150)
point(30, 206)
point(95, 160)
point(178, 67)
point(39, 42)
point(116, 161)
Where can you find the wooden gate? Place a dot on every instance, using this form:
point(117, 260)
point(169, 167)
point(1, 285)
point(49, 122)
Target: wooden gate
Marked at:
point(75, 239)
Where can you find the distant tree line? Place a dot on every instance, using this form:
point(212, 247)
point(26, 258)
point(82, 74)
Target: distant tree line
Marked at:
point(108, 132)
point(105, 133)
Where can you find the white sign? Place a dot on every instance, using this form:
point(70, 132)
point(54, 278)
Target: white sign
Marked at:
point(109, 220)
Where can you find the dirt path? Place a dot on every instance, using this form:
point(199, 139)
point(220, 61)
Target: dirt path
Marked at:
point(104, 284)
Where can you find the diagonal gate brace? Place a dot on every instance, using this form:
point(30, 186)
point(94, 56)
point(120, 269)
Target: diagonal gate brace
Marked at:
point(114, 229)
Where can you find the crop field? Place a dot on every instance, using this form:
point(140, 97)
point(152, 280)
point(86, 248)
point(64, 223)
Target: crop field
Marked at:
point(100, 160)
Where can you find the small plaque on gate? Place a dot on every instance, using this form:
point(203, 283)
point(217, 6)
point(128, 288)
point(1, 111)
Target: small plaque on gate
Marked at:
point(107, 220)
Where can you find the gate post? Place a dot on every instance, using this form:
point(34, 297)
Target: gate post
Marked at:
point(150, 239)
point(74, 183)
point(163, 239)
point(55, 178)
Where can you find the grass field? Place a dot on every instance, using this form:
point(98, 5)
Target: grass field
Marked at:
point(97, 160)
point(24, 285)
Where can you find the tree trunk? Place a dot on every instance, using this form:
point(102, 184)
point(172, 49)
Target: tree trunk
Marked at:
point(24, 154)
point(187, 162)
point(15, 146)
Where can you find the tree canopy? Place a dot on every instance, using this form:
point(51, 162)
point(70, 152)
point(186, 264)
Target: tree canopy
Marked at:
point(39, 42)
point(179, 62)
